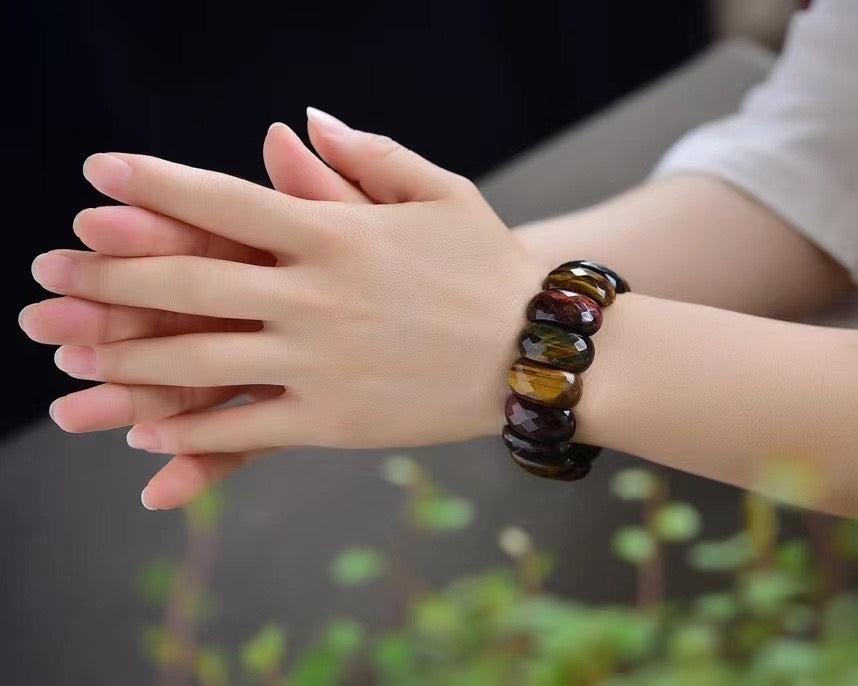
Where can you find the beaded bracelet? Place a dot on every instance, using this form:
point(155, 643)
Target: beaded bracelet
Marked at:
point(546, 380)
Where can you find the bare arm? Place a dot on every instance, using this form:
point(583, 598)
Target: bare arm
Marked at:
point(696, 239)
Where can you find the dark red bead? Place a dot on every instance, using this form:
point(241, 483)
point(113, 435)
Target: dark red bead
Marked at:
point(574, 310)
point(620, 284)
point(555, 461)
point(537, 422)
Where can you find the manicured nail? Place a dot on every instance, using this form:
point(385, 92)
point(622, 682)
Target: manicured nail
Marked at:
point(54, 270)
point(78, 217)
point(52, 410)
point(106, 172)
point(23, 313)
point(143, 439)
point(328, 123)
point(275, 125)
point(143, 500)
point(76, 360)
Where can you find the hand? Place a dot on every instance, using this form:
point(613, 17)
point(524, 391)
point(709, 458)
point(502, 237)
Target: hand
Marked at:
point(131, 232)
point(348, 362)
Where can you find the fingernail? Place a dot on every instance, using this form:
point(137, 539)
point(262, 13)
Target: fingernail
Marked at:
point(52, 409)
point(76, 360)
point(275, 125)
point(106, 172)
point(143, 500)
point(54, 270)
point(328, 123)
point(142, 438)
point(78, 217)
point(22, 314)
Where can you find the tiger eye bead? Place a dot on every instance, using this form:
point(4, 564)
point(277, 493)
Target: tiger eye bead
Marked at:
point(544, 385)
point(576, 311)
point(582, 280)
point(537, 422)
point(620, 284)
point(554, 345)
point(557, 461)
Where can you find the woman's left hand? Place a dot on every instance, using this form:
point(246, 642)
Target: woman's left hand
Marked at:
point(386, 324)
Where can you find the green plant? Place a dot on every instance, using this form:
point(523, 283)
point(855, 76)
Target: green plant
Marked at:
point(784, 615)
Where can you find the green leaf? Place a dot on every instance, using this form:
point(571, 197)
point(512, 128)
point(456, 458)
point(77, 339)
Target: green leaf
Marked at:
point(155, 580)
point(717, 607)
point(212, 667)
point(677, 522)
point(325, 663)
point(442, 513)
point(634, 545)
point(721, 556)
point(395, 659)
point(767, 593)
point(203, 512)
point(357, 566)
point(263, 654)
point(343, 636)
point(400, 470)
point(841, 617)
point(795, 556)
point(634, 484)
point(693, 643)
point(787, 661)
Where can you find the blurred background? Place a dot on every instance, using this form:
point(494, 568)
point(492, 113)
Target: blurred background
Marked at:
point(447, 565)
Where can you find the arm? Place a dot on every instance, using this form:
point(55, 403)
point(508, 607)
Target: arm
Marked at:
point(697, 239)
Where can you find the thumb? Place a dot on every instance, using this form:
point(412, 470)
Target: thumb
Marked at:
point(295, 170)
point(383, 169)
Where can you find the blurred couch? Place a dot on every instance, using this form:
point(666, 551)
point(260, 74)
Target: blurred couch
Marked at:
point(74, 533)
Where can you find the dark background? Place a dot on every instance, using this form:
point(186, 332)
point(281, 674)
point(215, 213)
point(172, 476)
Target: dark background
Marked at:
point(467, 83)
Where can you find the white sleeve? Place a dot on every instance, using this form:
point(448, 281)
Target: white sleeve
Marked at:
point(794, 143)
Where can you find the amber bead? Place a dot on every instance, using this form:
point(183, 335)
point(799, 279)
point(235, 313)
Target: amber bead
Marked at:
point(582, 280)
point(537, 422)
point(544, 385)
point(557, 461)
point(620, 284)
point(554, 345)
point(578, 312)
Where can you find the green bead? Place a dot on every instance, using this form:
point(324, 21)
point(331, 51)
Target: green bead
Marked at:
point(554, 345)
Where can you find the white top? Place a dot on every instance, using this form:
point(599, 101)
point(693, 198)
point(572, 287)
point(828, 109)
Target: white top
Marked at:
point(794, 143)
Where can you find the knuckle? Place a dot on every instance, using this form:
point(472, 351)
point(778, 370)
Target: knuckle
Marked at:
point(462, 185)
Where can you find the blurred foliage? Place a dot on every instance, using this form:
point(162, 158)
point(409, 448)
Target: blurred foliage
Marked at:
point(783, 616)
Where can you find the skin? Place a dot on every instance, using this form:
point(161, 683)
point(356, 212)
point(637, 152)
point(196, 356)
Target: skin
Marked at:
point(252, 280)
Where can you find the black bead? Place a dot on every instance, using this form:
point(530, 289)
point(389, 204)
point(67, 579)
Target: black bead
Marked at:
point(620, 284)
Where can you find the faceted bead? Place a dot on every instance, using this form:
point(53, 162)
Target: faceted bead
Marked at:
point(578, 312)
point(556, 461)
point(584, 281)
point(554, 345)
point(544, 385)
point(620, 284)
point(537, 422)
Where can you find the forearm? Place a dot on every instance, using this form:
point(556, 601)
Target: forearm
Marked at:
point(727, 395)
point(696, 239)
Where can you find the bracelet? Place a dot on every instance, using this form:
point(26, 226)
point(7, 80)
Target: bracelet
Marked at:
point(546, 380)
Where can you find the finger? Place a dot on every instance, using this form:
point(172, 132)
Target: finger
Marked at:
point(136, 232)
point(68, 320)
point(228, 206)
point(383, 169)
point(179, 283)
point(185, 476)
point(258, 425)
point(295, 170)
point(109, 406)
point(209, 359)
